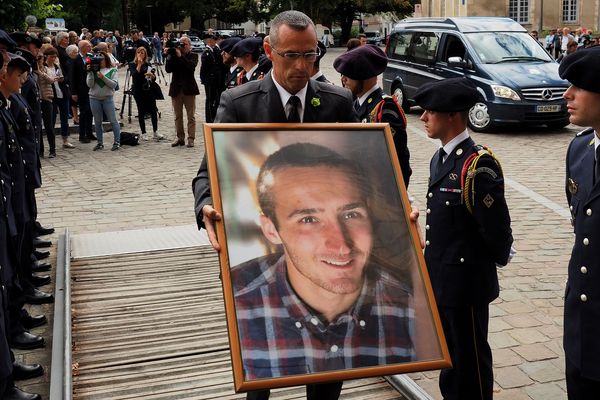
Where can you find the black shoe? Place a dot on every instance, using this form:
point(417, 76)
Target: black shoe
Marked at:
point(26, 341)
point(85, 140)
point(93, 137)
point(37, 242)
point(15, 393)
point(38, 297)
point(33, 321)
point(41, 231)
point(26, 371)
point(40, 266)
point(39, 280)
point(40, 255)
point(52, 154)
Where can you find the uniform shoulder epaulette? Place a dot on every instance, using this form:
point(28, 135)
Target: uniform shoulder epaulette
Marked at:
point(472, 168)
point(388, 104)
point(586, 131)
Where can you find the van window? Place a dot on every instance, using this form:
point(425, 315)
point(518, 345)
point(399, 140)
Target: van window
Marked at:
point(399, 46)
point(498, 47)
point(423, 47)
point(453, 47)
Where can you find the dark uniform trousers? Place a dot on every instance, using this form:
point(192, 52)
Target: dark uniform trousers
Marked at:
point(212, 79)
point(318, 391)
point(582, 294)
point(390, 114)
point(461, 253)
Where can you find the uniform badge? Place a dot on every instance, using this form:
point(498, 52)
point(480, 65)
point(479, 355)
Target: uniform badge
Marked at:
point(459, 152)
point(573, 186)
point(488, 200)
point(453, 176)
point(370, 100)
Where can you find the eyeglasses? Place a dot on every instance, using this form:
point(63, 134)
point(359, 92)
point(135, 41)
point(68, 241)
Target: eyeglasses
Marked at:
point(293, 56)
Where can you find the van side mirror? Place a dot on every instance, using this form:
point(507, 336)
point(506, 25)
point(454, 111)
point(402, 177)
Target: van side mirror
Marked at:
point(459, 62)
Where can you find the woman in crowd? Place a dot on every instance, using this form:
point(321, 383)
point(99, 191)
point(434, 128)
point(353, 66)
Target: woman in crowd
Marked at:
point(142, 80)
point(102, 86)
point(45, 83)
point(55, 90)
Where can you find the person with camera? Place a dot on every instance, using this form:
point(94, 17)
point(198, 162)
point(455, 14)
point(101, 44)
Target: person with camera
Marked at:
point(143, 87)
point(138, 41)
point(102, 81)
point(181, 62)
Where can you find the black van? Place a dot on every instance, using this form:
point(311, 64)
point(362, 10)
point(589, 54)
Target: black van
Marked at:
point(516, 76)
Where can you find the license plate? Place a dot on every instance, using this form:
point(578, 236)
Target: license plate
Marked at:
point(550, 108)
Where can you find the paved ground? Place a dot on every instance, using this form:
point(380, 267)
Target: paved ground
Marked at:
point(149, 186)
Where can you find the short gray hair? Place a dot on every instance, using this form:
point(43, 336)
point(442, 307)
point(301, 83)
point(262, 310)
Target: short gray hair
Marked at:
point(296, 20)
point(72, 48)
point(60, 36)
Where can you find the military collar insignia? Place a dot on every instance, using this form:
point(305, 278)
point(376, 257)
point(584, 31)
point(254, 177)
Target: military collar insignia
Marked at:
point(573, 186)
point(459, 152)
point(370, 100)
point(453, 176)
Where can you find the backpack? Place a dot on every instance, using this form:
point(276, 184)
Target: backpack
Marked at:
point(129, 139)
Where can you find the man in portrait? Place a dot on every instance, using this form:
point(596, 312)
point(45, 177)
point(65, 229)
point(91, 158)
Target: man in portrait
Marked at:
point(323, 300)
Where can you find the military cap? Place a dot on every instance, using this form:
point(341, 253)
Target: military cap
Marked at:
point(246, 46)
point(448, 95)
point(28, 56)
point(26, 38)
point(322, 49)
point(7, 40)
point(18, 61)
point(227, 44)
point(581, 69)
point(361, 63)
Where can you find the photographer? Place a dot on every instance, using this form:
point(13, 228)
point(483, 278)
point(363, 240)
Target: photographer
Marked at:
point(137, 41)
point(102, 81)
point(183, 89)
point(143, 87)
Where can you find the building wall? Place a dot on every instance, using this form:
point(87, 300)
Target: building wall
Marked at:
point(544, 14)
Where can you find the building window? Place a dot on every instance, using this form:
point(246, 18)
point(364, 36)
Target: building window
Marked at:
point(519, 10)
point(570, 10)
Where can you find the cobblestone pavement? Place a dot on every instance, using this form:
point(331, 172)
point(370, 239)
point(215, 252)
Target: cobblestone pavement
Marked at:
point(150, 186)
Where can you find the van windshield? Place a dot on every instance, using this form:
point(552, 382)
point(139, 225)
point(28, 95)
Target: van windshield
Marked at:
point(500, 47)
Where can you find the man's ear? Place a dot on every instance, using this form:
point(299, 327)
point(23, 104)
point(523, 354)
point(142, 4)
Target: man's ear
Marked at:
point(267, 48)
point(269, 230)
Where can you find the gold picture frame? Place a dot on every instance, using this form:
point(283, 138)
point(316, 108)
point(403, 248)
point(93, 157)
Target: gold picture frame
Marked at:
point(276, 266)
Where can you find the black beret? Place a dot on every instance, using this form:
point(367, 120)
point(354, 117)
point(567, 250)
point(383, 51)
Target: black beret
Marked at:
point(581, 69)
point(246, 46)
point(7, 40)
point(361, 63)
point(26, 38)
point(30, 58)
point(19, 62)
point(227, 44)
point(448, 95)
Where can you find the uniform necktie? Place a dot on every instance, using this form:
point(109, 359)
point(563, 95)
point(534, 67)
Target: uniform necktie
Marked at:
point(292, 112)
point(437, 165)
point(597, 166)
point(356, 105)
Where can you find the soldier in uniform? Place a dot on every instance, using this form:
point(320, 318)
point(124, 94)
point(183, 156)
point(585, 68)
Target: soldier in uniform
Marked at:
point(230, 65)
point(360, 68)
point(317, 74)
point(12, 185)
point(468, 234)
point(211, 76)
point(247, 53)
point(582, 295)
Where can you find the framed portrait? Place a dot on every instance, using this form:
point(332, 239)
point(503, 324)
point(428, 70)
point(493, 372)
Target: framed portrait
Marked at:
point(323, 273)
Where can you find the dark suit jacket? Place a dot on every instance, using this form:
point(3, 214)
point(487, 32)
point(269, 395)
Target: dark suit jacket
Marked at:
point(462, 249)
point(259, 101)
point(582, 295)
point(77, 77)
point(182, 80)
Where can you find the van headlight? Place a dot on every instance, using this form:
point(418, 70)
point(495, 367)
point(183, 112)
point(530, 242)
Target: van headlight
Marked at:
point(505, 92)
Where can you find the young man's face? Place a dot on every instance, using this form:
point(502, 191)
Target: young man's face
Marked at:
point(324, 226)
point(12, 79)
point(436, 124)
point(583, 106)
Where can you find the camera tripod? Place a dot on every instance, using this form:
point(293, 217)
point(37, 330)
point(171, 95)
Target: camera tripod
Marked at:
point(160, 74)
point(127, 95)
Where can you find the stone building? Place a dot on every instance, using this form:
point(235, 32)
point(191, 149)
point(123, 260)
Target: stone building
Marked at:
point(532, 14)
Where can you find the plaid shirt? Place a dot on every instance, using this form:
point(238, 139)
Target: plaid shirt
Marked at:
point(281, 336)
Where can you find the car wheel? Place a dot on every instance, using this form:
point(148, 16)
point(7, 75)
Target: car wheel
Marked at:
point(398, 93)
point(479, 118)
point(558, 124)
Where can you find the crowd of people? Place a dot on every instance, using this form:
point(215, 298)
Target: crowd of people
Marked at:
point(560, 42)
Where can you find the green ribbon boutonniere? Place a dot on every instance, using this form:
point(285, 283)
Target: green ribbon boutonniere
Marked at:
point(315, 102)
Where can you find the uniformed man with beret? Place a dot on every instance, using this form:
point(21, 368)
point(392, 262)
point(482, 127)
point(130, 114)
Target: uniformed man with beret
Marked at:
point(247, 53)
point(582, 295)
point(317, 74)
point(360, 68)
point(230, 65)
point(468, 234)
